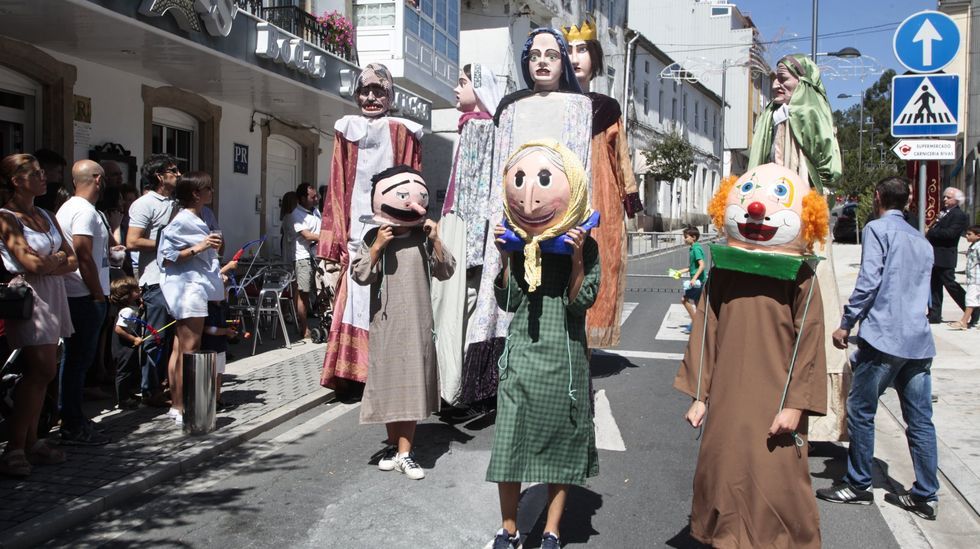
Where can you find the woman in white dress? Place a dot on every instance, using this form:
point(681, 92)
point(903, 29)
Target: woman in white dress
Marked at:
point(190, 274)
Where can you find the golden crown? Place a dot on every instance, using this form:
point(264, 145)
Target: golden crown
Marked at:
point(584, 32)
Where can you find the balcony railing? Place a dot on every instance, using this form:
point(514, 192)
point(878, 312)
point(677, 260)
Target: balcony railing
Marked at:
point(300, 23)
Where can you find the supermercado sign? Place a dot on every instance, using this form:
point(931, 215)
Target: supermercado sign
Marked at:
point(273, 43)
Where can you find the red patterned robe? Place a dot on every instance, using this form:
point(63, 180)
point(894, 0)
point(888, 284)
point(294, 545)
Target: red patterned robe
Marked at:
point(347, 344)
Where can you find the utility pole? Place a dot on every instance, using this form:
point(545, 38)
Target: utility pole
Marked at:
point(861, 137)
point(724, 107)
point(813, 38)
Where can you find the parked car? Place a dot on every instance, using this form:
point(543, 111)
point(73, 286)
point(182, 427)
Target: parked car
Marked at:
point(844, 220)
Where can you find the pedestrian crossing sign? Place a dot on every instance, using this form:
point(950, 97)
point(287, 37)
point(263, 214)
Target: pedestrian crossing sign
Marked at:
point(925, 105)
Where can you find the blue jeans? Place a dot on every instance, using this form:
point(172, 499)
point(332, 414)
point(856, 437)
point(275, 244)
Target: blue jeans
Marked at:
point(874, 371)
point(157, 316)
point(87, 317)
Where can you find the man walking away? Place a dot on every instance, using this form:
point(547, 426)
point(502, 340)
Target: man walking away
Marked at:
point(147, 215)
point(944, 235)
point(895, 347)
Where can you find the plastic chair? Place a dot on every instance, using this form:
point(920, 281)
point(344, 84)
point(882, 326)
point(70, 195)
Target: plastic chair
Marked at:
point(269, 302)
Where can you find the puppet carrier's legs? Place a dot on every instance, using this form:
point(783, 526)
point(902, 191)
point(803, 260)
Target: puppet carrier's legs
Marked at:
point(322, 301)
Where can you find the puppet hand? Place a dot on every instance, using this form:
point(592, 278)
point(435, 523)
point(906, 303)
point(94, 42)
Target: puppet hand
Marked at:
point(695, 414)
point(385, 234)
point(840, 337)
point(786, 421)
point(431, 229)
point(501, 236)
point(576, 239)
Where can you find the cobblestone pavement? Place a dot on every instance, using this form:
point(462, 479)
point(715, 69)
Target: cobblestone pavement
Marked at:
point(148, 444)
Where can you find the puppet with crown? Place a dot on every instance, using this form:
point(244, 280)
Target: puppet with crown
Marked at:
point(364, 144)
point(614, 190)
point(755, 365)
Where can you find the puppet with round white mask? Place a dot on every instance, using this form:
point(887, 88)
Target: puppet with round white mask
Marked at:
point(544, 431)
point(396, 262)
point(756, 359)
point(364, 144)
point(614, 191)
point(464, 226)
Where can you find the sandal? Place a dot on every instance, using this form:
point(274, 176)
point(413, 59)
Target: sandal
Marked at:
point(15, 464)
point(956, 326)
point(44, 454)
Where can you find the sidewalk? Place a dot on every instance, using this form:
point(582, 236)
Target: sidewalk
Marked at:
point(148, 448)
point(956, 380)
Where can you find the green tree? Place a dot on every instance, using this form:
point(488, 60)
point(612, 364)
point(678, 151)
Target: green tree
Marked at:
point(672, 158)
point(876, 152)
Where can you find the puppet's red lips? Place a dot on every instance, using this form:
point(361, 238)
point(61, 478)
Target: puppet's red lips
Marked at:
point(757, 231)
point(532, 220)
point(542, 72)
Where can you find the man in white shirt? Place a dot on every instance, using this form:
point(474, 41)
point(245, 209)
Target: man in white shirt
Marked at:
point(88, 232)
point(147, 215)
point(305, 221)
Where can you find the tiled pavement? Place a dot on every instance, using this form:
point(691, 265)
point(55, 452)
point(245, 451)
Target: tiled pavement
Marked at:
point(148, 448)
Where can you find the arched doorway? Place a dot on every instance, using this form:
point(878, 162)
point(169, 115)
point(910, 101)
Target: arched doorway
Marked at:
point(282, 174)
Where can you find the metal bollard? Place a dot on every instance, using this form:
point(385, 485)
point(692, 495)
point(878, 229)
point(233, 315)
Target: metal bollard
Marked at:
point(199, 378)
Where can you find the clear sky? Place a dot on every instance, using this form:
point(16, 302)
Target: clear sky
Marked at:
point(867, 25)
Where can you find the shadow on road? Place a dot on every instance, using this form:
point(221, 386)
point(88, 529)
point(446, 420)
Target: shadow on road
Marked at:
point(576, 524)
point(608, 364)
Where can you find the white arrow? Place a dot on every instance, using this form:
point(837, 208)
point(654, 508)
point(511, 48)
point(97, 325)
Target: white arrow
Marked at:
point(927, 34)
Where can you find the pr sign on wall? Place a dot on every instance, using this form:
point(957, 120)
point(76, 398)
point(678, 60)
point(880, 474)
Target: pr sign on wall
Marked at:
point(241, 158)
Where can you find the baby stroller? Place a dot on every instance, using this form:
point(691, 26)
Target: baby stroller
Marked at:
point(11, 373)
point(325, 278)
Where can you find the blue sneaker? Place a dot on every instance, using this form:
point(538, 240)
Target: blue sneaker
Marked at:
point(503, 540)
point(550, 541)
point(686, 328)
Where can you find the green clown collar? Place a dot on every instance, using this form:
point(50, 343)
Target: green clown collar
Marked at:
point(768, 264)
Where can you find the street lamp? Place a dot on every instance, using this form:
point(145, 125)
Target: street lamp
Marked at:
point(861, 128)
point(845, 53)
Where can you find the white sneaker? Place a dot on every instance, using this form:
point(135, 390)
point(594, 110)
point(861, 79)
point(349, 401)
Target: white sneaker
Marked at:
point(407, 465)
point(173, 413)
point(387, 461)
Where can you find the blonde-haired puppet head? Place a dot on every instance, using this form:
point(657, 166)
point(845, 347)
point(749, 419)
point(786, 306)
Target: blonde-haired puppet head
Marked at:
point(770, 208)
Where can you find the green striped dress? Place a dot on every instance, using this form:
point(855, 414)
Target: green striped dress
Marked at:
point(543, 433)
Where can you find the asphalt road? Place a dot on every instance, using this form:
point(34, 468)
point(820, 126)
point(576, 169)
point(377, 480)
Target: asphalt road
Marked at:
point(311, 483)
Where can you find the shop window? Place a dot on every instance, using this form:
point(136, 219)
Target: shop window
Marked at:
point(436, 23)
point(19, 117)
point(173, 132)
point(660, 104)
point(646, 98)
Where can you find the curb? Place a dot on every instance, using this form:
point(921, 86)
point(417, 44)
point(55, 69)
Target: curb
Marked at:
point(46, 526)
point(959, 478)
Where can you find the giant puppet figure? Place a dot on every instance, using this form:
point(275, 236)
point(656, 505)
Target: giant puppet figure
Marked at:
point(364, 145)
point(544, 431)
point(756, 360)
point(796, 130)
point(614, 191)
point(464, 226)
point(552, 107)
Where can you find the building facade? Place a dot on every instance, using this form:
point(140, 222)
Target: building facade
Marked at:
point(962, 173)
point(662, 106)
point(716, 41)
point(248, 92)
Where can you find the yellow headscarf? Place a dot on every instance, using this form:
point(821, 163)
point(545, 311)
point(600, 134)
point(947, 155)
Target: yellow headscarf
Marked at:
point(577, 213)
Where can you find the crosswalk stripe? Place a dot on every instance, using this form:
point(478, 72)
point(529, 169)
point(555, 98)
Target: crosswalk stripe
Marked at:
point(670, 326)
point(628, 308)
point(641, 354)
point(607, 434)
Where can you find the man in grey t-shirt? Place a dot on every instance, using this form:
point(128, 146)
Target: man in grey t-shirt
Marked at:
point(148, 214)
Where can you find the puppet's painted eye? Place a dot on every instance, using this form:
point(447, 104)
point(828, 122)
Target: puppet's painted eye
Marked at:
point(424, 197)
point(553, 56)
point(544, 179)
point(401, 195)
point(519, 179)
point(747, 187)
point(780, 190)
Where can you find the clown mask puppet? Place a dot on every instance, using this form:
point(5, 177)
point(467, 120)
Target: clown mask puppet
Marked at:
point(400, 199)
point(373, 93)
point(537, 191)
point(772, 209)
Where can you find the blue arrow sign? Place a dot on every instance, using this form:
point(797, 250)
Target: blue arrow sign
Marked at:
point(926, 41)
point(925, 105)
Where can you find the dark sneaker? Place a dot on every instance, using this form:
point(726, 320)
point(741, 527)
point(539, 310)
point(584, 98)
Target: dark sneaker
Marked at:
point(129, 404)
point(387, 461)
point(845, 493)
point(550, 541)
point(407, 465)
point(503, 540)
point(83, 436)
point(927, 509)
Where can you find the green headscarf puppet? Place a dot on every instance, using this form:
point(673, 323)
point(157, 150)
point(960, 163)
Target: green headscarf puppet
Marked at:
point(810, 121)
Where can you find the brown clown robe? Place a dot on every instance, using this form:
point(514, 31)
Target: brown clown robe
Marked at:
point(752, 490)
point(614, 196)
point(362, 148)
